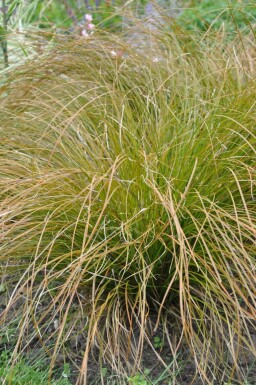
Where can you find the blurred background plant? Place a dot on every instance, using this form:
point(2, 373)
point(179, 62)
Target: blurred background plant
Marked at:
point(229, 15)
point(20, 19)
point(17, 17)
point(108, 13)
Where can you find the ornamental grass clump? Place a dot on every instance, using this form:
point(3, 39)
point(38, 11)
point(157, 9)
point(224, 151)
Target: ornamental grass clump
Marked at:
point(127, 198)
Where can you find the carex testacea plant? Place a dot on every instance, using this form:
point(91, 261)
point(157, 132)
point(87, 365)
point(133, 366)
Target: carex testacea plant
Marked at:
point(128, 196)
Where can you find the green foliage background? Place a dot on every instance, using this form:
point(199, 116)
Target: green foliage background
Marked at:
point(229, 14)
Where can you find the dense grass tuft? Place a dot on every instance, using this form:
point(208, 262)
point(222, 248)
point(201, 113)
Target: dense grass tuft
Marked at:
point(127, 190)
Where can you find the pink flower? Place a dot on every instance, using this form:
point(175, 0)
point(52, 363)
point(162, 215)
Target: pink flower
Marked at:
point(88, 17)
point(90, 26)
point(84, 33)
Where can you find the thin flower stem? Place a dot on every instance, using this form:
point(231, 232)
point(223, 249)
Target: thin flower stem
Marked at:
point(4, 41)
point(70, 12)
